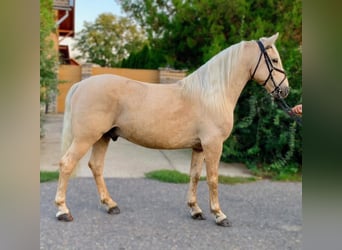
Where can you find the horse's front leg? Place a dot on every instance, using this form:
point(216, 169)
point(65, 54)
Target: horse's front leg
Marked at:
point(212, 153)
point(195, 174)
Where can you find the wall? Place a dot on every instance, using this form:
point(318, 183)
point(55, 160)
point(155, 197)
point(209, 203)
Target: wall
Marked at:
point(144, 75)
point(168, 75)
point(69, 74)
point(72, 74)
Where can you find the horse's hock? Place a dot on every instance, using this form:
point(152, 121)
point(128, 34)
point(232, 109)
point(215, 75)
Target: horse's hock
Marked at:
point(71, 74)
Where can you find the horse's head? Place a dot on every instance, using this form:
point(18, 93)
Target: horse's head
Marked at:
point(269, 70)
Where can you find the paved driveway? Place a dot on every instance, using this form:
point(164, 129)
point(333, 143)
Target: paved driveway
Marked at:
point(154, 215)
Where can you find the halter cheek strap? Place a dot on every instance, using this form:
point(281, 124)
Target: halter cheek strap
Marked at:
point(263, 51)
point(270, 68)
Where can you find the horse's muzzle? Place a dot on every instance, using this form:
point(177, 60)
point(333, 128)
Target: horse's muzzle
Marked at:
point(281, 92)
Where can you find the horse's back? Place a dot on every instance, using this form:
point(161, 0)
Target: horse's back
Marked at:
point(99, 90)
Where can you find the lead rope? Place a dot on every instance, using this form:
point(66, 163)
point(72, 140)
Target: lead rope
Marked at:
point(289, 111)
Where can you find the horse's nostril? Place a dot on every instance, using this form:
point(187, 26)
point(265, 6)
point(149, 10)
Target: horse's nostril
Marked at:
point(281, 92)
point(285, 91)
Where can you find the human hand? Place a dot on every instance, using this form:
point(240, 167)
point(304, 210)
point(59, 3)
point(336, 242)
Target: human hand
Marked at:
point(298, 109)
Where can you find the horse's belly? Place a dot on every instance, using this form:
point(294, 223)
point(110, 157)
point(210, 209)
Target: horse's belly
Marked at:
point(153, 139)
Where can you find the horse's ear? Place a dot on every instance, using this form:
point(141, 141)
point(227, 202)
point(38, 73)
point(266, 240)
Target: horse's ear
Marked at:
point(269, 41)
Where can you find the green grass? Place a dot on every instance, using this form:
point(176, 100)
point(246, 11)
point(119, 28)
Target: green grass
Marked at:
point(174, 176)
point(236, 180)
point(283, 176)
point(290, 173)
point(46, 176)
point(288, 177)
point(171, 176)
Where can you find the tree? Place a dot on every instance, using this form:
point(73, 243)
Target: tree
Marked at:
point(109, 40)
point(146, 58)
point(188, 33)
point(48, 55)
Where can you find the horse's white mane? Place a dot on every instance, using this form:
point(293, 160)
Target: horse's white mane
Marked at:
point(210, 81)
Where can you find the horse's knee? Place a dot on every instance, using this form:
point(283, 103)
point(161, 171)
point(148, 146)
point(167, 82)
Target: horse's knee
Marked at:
point(195, 177)
point(212, 181)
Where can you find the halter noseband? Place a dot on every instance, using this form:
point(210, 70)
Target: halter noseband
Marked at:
point(270, 68)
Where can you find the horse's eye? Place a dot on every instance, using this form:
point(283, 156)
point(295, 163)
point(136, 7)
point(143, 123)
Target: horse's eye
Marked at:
point(275, 60)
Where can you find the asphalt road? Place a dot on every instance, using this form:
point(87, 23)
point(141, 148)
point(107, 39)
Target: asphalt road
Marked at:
point(154, 215)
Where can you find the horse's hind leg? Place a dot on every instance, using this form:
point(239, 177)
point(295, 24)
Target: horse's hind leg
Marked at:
point(66, 166)
point(195, 174)
point(96, 164)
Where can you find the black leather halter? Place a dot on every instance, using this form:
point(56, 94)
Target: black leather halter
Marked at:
point(276, 92)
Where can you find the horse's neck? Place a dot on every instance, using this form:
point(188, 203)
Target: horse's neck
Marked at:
point(237, 82)
point(216, 87)
point(235, 88)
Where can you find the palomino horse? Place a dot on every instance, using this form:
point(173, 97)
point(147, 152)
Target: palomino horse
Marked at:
point(195, 112)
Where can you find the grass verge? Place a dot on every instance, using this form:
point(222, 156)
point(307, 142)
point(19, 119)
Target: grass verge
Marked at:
point(297, 177)
point(283, 176)
point(46, 176)
point(171, 176)
point(174, 176)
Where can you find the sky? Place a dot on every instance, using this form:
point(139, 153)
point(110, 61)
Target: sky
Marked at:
point(89, 10)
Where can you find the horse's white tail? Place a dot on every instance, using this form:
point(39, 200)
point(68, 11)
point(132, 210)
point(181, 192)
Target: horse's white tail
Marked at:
point(67, 135)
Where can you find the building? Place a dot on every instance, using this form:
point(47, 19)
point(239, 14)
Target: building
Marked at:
point(65, 24)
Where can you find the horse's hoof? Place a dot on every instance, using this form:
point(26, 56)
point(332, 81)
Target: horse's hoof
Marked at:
point(198, 216)
point(65, 217)
point(114, 210)
point(224, 223)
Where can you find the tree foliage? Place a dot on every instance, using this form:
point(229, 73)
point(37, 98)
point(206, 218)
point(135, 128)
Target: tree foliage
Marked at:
point(147, 58)
point(109, 40)
point(48, 55)
point(188, 33)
